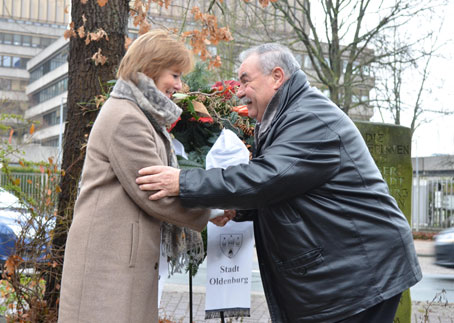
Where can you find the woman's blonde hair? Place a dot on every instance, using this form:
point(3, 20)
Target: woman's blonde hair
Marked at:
point(153, 52)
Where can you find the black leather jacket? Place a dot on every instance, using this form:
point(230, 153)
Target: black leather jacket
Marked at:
point(331, 241)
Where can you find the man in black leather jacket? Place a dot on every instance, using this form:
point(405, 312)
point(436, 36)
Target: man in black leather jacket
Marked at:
point(332, 244)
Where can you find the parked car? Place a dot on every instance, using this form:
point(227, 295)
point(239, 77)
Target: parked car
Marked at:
point(444, 248)
point(12, 214)
point(11, 211)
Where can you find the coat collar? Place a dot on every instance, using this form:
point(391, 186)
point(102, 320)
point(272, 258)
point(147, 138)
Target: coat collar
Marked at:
point(281, 100)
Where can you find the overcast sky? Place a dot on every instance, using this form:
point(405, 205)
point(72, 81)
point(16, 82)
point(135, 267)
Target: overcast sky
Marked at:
point(437, 136)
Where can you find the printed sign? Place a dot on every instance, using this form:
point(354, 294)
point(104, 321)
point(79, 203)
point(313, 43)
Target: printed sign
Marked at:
point(229, 269)
point(231, 244)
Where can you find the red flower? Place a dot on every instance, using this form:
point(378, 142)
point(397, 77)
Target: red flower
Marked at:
point(228, 88)
point(203, 119)
point(241, 110)
point(169, 129)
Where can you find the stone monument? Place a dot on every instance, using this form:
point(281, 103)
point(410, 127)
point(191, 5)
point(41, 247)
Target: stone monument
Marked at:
point(390, 146)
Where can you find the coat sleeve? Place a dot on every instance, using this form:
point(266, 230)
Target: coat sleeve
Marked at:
point(133, 147)
point(303, 154)
point(245, 215)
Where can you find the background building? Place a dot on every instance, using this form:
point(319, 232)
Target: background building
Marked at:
point(26, 28)
point(47, 92)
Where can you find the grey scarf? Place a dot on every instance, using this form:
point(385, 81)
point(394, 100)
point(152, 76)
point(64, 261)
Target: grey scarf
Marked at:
point(181, 246)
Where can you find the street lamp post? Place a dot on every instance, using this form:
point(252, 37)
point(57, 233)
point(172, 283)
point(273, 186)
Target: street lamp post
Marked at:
point(60, 134)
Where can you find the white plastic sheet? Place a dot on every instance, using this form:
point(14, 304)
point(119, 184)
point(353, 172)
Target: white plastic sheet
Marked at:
point(228, 150)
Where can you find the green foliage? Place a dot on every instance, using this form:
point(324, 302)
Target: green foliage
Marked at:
point(424, 235)
point(200, 126)
point(196, 137)
point(199, 78)
point(188, 163)
point(26, 169)
point(10, 300)
point(22, 287)
point(8, 117)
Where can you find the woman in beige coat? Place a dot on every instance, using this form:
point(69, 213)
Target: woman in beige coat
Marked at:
point(110, 271)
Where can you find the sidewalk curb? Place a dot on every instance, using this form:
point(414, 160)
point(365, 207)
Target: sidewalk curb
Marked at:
point(425, 255)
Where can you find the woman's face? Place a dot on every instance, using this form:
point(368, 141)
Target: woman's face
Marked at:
point(169, 81)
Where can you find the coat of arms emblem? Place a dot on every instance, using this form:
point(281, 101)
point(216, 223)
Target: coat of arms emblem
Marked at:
point(230, 244)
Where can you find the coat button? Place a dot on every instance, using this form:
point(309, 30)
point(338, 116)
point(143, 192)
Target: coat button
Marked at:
point(156, 266)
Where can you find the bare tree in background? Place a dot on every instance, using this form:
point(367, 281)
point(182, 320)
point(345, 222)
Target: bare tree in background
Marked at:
point(339, 38)
point(402, 79)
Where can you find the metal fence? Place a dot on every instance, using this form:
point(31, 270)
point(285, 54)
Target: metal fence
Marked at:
point(432, 197)
point(432, 203)
point(32, 184)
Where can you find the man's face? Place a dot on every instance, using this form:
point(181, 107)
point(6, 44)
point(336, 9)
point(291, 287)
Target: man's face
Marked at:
point(256, 89)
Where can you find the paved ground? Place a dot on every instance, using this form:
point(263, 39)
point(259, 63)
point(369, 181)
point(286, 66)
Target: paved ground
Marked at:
point(174, 307)
point(436, 312)
point(175, 299)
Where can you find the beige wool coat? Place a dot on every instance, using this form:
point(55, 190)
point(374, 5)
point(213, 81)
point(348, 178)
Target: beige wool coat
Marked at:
point(110, 271)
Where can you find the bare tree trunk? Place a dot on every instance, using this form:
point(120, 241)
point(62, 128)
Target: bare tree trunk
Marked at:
point(86, 80)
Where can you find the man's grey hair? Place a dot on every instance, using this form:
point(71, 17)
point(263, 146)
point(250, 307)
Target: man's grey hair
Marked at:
point(272, 55)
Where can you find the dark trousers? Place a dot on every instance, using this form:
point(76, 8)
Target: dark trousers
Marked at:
point(383, 312)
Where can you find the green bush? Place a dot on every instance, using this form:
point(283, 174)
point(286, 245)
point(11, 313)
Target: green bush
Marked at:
point(424, 235)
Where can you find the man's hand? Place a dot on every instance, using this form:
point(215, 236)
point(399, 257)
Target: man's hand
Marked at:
point(222, 220)
point(163, 179)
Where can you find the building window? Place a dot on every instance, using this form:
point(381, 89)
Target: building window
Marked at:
point(50, 119)
point(50, 64)
point(299, 58)
point(16, 85)
point(24, 40)
point(307, 62)
point(50, 91)
point(13, 61)
point(53, 117)
point(327, 62)
point(50, 142)
point(12, 84)
point(23, 85)
point(36, 74)
point(133, 35)
point(5, 84)
point(6, 61)
point(46, 42)
point(16, 61)
point(17, 40)
point(360, 99)
point(7, 39)
point(36, 41)
point(356, 68)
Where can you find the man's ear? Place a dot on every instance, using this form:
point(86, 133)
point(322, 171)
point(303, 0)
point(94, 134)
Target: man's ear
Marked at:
point(278, 76)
